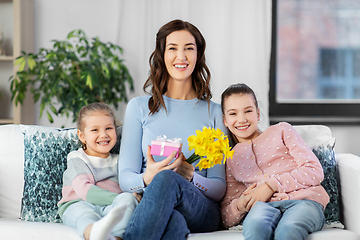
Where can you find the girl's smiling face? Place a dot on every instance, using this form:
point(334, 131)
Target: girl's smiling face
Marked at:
point(241, 116)
point(99, 134)
point(180, 55)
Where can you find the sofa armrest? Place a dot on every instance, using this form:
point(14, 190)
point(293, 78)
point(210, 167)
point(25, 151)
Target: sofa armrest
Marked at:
point(349, 173)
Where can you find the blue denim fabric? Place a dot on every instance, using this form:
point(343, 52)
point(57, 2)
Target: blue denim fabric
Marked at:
point(171, 208)
point(288, 219)
point(81, 214)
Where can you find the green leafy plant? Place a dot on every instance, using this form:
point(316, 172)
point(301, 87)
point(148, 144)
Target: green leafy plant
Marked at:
point(73, 73)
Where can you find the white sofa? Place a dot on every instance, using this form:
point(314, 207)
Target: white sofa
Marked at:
point(12, 186)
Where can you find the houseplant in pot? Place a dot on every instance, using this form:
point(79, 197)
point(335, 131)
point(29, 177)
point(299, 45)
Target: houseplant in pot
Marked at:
point(73, 73)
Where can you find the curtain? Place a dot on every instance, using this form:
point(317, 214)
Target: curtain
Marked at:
point(237, 34)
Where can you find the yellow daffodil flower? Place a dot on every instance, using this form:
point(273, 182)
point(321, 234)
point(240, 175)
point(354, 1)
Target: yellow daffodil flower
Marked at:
point(211, 146)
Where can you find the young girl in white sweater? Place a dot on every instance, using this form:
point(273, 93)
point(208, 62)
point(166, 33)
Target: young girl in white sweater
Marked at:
point(93, 202)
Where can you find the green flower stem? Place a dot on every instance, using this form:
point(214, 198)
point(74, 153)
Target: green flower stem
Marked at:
point(193, 158)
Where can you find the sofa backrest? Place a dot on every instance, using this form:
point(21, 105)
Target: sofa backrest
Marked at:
point(315, 135)
point(12, 160)
point(11, 170)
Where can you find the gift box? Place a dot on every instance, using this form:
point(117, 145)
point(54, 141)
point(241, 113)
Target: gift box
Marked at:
point(165, 147)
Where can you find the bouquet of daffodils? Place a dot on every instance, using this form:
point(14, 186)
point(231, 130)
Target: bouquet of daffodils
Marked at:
point(211, 147)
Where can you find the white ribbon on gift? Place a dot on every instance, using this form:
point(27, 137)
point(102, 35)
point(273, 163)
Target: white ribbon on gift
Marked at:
point(163, 140)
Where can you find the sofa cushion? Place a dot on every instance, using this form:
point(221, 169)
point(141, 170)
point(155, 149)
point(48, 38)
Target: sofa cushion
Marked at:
point(45, 152)
point(16, 229)
point(325, 234)
point(320, 140)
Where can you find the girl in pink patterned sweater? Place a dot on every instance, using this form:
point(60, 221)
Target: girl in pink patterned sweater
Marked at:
point(273, 180)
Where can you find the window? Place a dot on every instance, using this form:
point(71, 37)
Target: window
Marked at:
point(339, 76)
point(315, 62)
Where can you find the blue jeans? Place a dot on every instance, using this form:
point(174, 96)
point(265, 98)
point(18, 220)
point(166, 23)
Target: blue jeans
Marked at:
point(288, 219)
point(171, 208)
point(81, 214)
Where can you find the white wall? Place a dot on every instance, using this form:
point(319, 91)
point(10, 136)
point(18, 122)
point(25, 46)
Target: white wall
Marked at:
point(236, 50)
point(54, 19)
point(347, 139)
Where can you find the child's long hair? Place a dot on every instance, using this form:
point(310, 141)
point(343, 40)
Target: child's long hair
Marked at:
point(159, 76)
point(90, 110)
point(237, 88)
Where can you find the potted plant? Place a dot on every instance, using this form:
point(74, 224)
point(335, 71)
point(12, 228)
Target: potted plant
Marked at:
point(71, 74)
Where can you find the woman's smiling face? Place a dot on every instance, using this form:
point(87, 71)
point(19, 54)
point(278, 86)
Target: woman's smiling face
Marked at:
point(180, 55)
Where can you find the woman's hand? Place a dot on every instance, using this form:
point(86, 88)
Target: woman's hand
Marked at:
point(186, 170)
point(260, 193)
point(152, 167)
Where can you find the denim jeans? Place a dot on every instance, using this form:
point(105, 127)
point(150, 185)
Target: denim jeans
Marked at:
point(287, 219)
point(171, 208)
point(81, 214)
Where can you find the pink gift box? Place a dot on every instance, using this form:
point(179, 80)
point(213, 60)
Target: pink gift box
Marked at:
point(165, 148)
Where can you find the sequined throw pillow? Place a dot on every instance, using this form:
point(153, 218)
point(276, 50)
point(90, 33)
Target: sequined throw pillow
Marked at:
point(45, 152)
point(321, 141)
point(326, 156)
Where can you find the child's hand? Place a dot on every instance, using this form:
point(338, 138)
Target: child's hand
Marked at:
point(138, 196)
point(186, 170)
point(260, 193)
point(241, 201)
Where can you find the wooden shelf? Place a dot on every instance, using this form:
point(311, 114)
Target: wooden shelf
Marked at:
point(6, 121)
point(6, 58)
point(17, 21)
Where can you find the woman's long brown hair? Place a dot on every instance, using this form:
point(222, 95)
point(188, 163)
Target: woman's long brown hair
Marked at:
point(159, 76)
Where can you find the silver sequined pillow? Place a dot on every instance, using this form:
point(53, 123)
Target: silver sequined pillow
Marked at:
point(321, 141)
point(45, 152)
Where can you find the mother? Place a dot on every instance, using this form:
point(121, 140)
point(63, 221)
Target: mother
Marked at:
point(178, 198)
